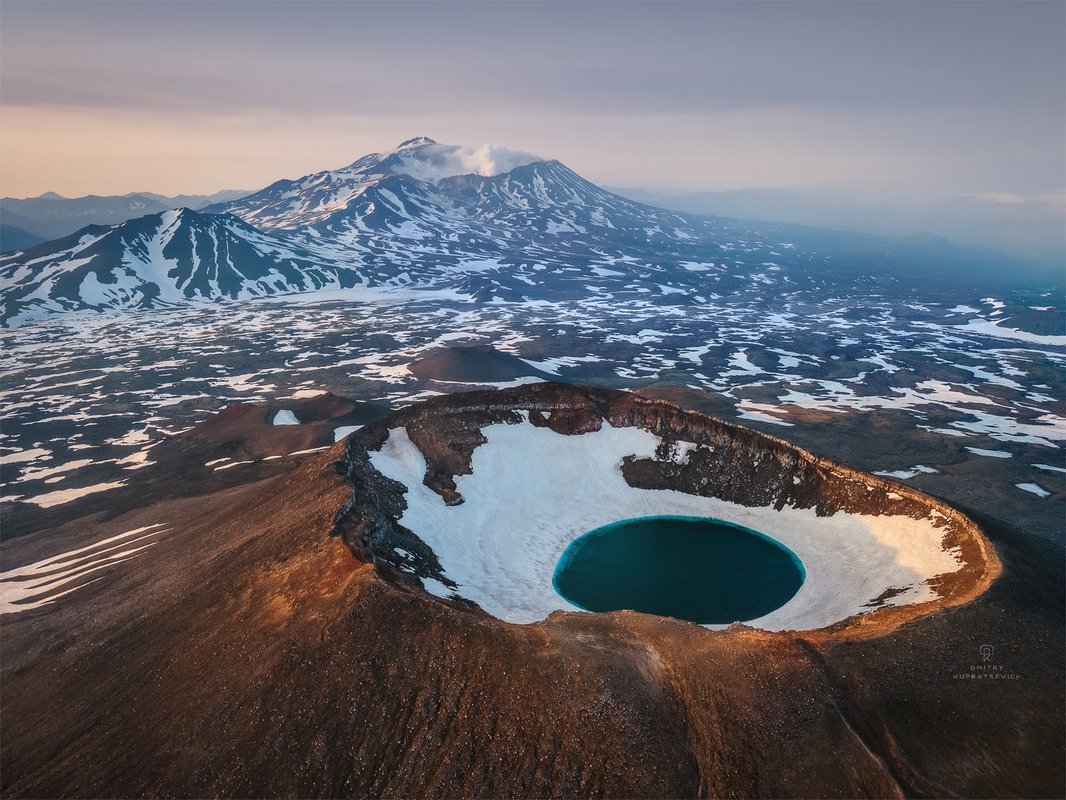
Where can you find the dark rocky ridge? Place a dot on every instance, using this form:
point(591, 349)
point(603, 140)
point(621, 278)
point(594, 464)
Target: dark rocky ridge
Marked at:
point(731, 463)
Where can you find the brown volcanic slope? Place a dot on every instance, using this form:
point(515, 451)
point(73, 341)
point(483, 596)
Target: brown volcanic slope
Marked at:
point(240, 432)
point(473, 363)
point(248, 653)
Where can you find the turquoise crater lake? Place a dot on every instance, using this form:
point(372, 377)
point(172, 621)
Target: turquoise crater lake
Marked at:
point(693, 568)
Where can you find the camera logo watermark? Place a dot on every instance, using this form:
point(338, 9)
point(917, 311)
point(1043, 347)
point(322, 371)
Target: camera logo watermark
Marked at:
point(983, 668)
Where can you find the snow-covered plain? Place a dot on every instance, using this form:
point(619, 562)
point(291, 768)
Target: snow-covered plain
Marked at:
point(533, 491)
point(107, 386)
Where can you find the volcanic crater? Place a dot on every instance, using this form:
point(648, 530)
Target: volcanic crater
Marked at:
point(247, 640)
point(474, 497)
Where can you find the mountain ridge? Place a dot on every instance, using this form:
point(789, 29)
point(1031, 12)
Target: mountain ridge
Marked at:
point(535, 231)
point(53, 216)
point(161, 259)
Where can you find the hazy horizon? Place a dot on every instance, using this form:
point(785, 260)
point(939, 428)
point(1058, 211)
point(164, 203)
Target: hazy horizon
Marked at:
point(183, 98)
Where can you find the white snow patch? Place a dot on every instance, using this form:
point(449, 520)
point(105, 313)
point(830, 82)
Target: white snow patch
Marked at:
point(66, 495)
point(131, 438)
point(903, 474)
point(987, 328)
point(343, 431)
point(476, 265)
point(990, 453)
point(285, 417)
point(1049, 468)
point(302, 394)
point(495, 384)
point(761, 412)
point(552, 365)
point(1006, 429)
point(40, 473)
point(230, 466)
point(137, 460)
point(435, 587)
point(1034, 489)
point(22, 456)
point(308, 450)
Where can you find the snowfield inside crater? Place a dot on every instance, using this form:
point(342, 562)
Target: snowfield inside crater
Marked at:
point(533, 491)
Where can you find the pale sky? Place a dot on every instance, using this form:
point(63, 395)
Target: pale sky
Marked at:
point(192, 97)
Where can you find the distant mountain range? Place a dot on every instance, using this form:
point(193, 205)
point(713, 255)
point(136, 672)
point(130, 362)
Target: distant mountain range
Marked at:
point(1029, 226)
point(487, 225)
point(28, 221)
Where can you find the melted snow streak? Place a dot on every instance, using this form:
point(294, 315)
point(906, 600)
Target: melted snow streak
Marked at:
point(44, 582)
point(1032, 488)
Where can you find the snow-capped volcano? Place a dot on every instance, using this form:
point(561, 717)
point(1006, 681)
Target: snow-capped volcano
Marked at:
point(488, 223)
point(312, 198)
point(460, 204)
